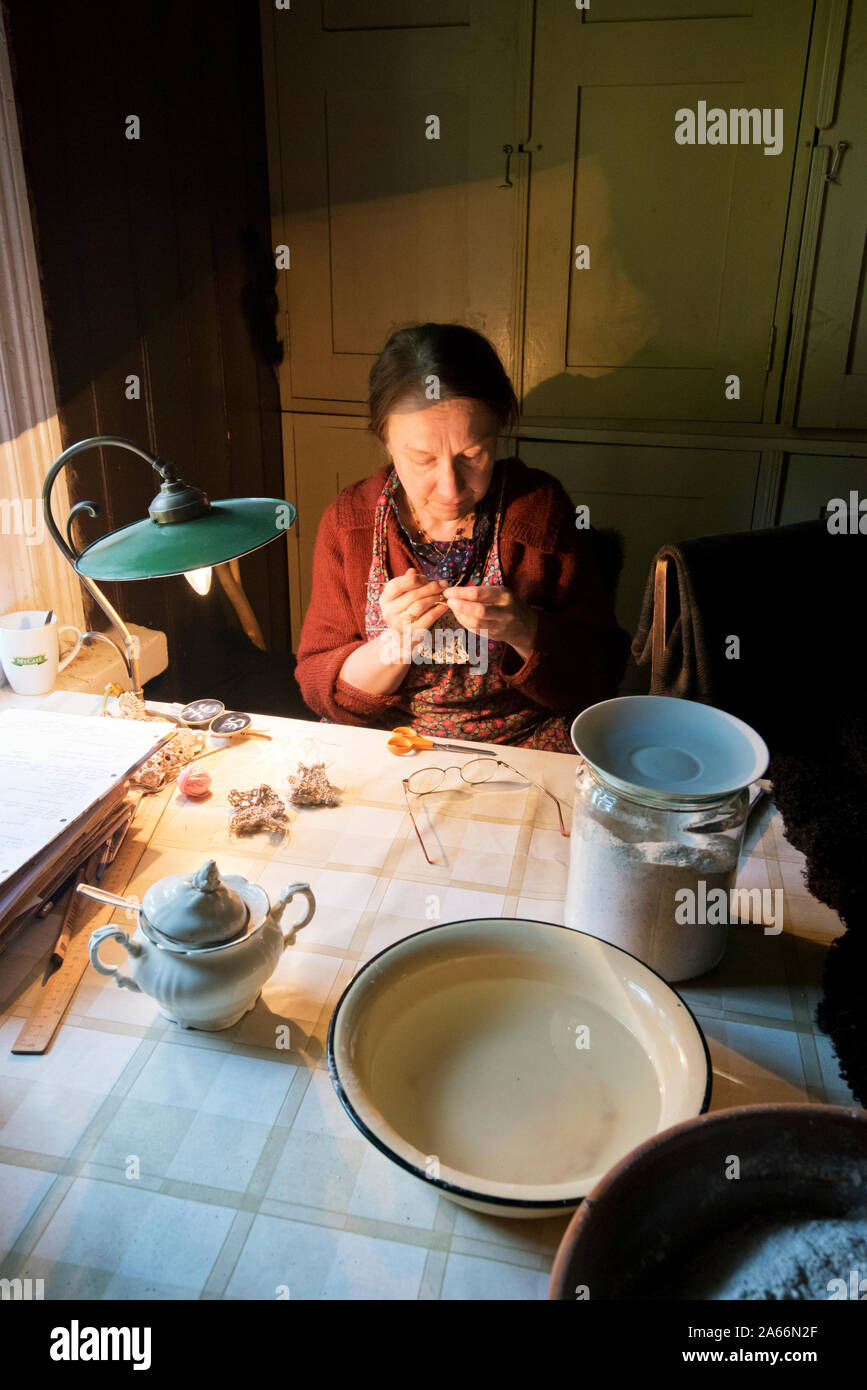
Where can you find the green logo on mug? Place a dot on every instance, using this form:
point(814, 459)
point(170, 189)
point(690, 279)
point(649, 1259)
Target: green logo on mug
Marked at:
point(29, 660)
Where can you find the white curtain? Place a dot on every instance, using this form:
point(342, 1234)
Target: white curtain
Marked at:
point(33, 573)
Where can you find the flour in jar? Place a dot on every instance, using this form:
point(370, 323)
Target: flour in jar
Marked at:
point(625, 893)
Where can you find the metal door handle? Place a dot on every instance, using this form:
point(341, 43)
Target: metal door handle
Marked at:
point(842, 147)
point(508, 151)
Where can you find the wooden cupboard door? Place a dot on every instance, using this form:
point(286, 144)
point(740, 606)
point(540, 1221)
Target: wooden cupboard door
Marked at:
point(651, 494)
point(385, 225)
point(833, 393)
point(814, 480)
point(685, 240)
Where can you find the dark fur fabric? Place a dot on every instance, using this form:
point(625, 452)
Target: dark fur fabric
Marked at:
point(795, 682)
point(822, 797)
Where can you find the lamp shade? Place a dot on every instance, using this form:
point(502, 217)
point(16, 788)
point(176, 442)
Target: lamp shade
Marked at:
point(146, 550)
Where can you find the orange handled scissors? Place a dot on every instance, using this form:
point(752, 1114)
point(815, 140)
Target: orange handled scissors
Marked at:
point(405, 740)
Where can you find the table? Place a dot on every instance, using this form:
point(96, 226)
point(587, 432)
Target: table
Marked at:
point(139, 1160)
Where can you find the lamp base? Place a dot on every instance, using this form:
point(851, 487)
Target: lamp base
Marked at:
point(96, 665)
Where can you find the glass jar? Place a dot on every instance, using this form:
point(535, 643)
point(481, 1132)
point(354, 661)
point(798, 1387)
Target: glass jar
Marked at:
point(653, 873)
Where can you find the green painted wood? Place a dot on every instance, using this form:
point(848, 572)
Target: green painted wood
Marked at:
point(833, 390)
point(336, 451)
point(394, 14)
point(651, 495)
point(685, 240)
point(384, 225)
point(811, 482)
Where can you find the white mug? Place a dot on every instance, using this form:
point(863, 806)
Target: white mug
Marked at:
point(30, 651)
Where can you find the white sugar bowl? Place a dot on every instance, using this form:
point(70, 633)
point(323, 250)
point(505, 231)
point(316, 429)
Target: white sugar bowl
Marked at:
point(204, 945)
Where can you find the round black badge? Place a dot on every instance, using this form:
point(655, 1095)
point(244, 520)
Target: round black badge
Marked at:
point(202, 711)
point(230, 723)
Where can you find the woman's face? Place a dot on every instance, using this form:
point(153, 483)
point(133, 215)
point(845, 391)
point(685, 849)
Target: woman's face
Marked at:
point(444, 455)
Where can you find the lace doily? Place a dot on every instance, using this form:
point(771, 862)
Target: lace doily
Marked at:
point(310, 786)
point(260, 808)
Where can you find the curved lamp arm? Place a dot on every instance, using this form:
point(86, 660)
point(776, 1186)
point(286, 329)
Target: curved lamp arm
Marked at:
point(129, 651)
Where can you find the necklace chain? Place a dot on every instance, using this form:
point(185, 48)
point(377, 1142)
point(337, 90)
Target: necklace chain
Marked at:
point(465, 520)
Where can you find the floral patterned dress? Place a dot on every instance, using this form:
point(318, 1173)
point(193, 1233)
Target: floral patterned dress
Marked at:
point(462, 698)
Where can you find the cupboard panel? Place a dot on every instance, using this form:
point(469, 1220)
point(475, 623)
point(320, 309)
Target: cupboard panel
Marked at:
point(385, 225)
point(393, 14)
point(371, 199)
point(834, 377)
point(329, 452)
point(615, 311)
point(685, 240)
point(813, 479)
point(618, 11)
point(651, 495)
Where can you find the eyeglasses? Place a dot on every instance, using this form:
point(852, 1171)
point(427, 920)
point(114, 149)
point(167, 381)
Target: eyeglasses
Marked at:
point(478, 770)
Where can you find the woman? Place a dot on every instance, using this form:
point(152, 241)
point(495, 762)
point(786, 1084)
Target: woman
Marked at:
point(451, 591)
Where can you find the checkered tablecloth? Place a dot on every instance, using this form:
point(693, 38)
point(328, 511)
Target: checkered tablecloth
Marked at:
point(140, 1160)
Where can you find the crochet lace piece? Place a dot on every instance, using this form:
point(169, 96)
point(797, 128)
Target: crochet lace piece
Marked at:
point(310, 786)
point(260, 808)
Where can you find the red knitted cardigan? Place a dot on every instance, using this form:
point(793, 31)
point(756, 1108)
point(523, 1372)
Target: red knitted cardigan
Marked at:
point(579, 654)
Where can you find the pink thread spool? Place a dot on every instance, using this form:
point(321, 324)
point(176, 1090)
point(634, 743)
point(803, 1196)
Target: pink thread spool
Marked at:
point(194, 781)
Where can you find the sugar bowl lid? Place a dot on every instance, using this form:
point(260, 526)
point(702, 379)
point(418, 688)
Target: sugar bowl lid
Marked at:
point(195, 910)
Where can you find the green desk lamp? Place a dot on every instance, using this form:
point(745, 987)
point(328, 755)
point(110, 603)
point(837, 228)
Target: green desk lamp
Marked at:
point(184, 534)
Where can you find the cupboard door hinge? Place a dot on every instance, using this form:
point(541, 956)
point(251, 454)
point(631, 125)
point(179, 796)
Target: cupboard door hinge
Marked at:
point(771, 346)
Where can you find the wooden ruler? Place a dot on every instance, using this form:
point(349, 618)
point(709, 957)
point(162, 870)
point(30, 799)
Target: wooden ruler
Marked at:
point(85, 916)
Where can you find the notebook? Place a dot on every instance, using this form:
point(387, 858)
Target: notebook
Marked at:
point(55, 770)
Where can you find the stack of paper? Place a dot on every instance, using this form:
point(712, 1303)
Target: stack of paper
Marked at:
point(63, 778)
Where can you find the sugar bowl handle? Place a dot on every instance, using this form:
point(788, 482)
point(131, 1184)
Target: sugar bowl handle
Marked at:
point(280, 905)
point(132, 948)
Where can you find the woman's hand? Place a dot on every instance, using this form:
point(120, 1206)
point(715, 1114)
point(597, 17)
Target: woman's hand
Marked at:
point(412, 602)
point(499, 612)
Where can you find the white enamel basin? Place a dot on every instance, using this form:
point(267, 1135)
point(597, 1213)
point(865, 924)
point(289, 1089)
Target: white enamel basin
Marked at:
point(510, 1063)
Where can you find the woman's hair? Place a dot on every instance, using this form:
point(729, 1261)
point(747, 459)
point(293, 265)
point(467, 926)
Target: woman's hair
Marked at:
point(462, 362)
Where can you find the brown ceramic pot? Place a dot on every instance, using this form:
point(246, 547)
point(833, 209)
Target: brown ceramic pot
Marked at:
point(667, 1199)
